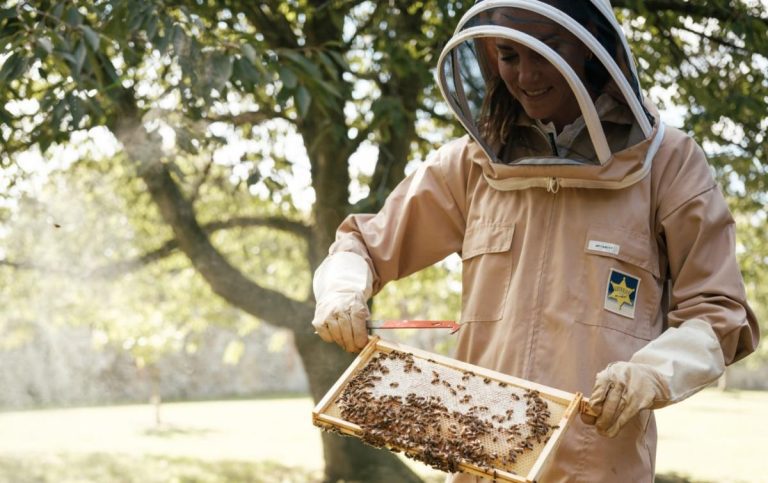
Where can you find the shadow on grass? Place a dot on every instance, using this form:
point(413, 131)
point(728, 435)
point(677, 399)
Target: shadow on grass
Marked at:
point(114, 468)
point(122, 468)
point(675, 478)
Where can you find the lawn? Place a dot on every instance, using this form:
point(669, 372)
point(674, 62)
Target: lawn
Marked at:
point(713, 436)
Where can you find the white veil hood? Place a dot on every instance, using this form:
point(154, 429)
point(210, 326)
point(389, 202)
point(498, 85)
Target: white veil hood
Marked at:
point(588, 49)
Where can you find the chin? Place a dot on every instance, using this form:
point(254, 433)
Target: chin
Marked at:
point(542, 116)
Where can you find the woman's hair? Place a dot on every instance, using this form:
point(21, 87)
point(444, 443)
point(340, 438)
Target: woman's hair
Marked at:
point(500, 108)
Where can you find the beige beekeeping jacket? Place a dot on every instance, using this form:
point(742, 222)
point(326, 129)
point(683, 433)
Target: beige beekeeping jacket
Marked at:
point(539, 246)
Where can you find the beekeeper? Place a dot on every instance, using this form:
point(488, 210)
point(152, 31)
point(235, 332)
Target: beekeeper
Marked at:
point(597, 250)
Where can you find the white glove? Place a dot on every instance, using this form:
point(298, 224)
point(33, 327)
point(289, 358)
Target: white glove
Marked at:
point(679, 363)
point(342, 286)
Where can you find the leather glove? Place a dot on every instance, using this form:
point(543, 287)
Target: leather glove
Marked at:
point(679, 363)
point(342, 286)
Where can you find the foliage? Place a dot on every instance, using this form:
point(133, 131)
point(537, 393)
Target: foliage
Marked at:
point(699, 52)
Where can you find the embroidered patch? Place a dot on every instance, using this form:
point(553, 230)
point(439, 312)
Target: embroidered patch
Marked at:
point(621, 293)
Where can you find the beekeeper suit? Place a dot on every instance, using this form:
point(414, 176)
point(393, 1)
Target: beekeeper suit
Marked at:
point(597, 250)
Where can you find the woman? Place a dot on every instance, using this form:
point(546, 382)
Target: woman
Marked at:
point(598, 252)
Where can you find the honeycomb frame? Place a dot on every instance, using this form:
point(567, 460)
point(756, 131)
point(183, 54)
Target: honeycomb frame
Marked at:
point(445, 377)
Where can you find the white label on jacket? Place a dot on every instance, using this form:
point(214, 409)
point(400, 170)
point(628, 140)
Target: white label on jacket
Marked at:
point(621, 293)
point(605, 247)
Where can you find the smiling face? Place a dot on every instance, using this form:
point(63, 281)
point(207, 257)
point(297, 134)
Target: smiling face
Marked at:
point(536, 83)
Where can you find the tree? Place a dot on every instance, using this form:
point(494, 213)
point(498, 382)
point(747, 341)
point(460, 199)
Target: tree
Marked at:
point(179, 82)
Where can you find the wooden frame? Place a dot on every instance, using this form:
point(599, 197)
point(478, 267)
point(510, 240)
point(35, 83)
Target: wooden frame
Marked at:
point(572, 402)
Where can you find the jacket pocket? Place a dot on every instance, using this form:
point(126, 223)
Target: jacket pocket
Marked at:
point(486, 256)
point(619, 287)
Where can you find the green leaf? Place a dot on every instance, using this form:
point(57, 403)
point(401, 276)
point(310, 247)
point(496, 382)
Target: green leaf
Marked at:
point(243, 70)
point(137, 19)
point(79, 58)
point(339, 59)
point(329, 88)
point(12, 67)
point(45, 44)
point(302, 62)
point(76, 109)
point(73, 17)
point(5, 116)
point(58, 10)
point(7, 13)
point(282, 96)
point(91, 37)
point(68, 57)
point(151, 27)
point(109, 68)
point(303, 100)
point(288, 77)
point(328, 65)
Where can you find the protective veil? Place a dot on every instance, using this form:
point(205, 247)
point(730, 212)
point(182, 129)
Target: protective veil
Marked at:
point(512, 66)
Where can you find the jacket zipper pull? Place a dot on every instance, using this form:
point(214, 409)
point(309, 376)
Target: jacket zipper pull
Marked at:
point(553, 185)
point(553, 145)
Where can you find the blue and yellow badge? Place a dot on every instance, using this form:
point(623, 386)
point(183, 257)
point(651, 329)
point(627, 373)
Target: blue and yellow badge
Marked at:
point(621, 293)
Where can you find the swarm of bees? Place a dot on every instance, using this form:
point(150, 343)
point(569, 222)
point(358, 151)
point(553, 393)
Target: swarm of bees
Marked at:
point(443, 426)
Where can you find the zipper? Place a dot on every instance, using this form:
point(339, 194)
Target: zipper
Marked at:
point(553, 144)
point(549, 138)
point(553, 185)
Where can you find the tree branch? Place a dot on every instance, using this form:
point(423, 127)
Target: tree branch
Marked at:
point(248, 117)
point(170, 246)
point(446, 119)
point(195, 191)
point(224, 279)
point(714, 39)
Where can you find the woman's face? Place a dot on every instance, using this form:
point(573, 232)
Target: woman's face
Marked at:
point(530, 78)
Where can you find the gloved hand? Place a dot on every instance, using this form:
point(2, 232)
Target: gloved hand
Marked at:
point(342, 286)
point(679, 363)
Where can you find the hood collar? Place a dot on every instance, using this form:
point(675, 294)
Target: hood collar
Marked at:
point(624, 168)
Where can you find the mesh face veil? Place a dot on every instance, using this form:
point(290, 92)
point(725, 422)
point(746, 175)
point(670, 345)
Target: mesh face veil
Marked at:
point(544, 82)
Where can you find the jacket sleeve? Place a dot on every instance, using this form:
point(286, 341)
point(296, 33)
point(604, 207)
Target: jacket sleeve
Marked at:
point(699, 233)
point(422, 221)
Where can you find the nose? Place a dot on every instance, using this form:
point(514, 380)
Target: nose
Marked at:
point(528, 68)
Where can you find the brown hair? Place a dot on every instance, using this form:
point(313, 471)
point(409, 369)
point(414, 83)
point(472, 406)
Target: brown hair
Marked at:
point(499, 110)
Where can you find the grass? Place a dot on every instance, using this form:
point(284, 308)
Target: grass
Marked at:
point(711, 437)
point(715, 436)
point(106, 467)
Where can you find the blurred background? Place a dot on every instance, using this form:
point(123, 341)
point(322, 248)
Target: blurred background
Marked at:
point(172, 172)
